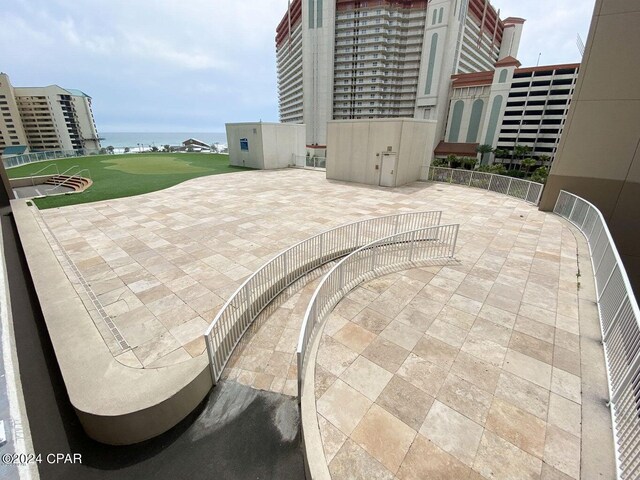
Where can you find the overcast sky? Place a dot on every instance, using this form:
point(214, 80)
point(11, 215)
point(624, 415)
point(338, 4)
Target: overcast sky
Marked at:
point(192, 65)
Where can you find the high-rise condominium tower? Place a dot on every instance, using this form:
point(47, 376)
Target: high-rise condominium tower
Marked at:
point(350, 59)
point(46, 118)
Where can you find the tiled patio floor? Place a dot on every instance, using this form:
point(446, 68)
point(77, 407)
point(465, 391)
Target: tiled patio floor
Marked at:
point(162, 264)
point(468, 371)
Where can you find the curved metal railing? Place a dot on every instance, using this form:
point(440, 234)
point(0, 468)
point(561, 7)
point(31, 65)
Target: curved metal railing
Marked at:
point(42, 170)
point(257, 291)
point(380, 256)
point(620, 325)
point(513, 187)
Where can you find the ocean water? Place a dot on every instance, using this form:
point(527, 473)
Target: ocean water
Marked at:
point(159, 139)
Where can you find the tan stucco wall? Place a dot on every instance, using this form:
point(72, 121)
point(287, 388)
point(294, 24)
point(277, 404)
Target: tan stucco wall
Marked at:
point(271, 145)
point(354, 148)
point(599, 154)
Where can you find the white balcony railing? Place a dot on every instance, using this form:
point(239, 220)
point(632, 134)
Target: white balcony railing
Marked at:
point(619, 322)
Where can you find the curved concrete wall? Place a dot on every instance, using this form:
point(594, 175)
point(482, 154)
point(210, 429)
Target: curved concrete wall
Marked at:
point(116, 404)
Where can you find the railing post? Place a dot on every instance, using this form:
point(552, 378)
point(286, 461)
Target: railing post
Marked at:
point(470, 177)
point(451, 176)
point(575, 200)
point(526, 198)
point(509, 186)
point(490, 180)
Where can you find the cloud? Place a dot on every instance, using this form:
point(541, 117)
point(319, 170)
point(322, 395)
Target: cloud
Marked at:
point(193, 65)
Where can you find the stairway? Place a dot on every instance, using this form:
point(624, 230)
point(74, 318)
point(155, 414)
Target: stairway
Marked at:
point(77, 183)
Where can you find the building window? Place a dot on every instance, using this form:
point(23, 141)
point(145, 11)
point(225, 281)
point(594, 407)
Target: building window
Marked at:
point(244, 144)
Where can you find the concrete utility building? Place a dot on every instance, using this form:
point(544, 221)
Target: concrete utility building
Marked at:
point(265, 145)
point(509, 106)
point(46, 118)
point(352, 59)
point(385, 152)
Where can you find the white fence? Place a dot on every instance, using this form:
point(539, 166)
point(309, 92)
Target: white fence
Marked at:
point(378, 257)
point(514, 187)
point(317, 163)
point(34, 157)
point(619, 317)
point(239, 312)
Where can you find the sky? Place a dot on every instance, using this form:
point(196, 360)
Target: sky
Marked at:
point(193, 65)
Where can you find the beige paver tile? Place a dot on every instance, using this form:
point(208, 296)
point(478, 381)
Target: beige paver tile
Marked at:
point(366, 377)
point(489, 330)
point(465, 304)
point(334, 356)
point(452, 432)
point(465, 398)
point(372, 320)
point(567, 385)
point(484, 349)
point(566, 360)
point(156, 348)
point(522, 429)
point(562, 451)
point(384, 437)
point(332, 438)
point(189, 330)
point(401, 335)
point(352, 462)
point(195, 347)
point(436, 352)
point(386, 354)
point(457, 318)
point(447, 333)
point(406, 402)
point(535, 329)
point(323, 380)
point(523, 394)
point(565, 414)
point(354, 336)
point(422, 374)
point(542, 315)
point(343, 406)
point(480, 373)
point(550, 473)
point(500, 460)
point(425, 460)
point(528, 368)
point(532, 347)
point(139, 326)
point(567, 340)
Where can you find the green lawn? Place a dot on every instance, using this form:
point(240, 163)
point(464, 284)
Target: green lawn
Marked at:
point(116, 176)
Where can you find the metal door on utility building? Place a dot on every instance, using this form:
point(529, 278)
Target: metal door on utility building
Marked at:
point(388, 169)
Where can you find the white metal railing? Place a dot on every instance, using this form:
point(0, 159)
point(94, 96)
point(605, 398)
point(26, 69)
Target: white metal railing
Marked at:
point(514, 187)
point(314, 162)
point(54, 165)
point(392, 252)
point(257, 291)
point(619, 321)
point(18, 160)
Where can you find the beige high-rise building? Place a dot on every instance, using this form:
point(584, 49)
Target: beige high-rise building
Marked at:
point(368, 59)
point(599, 154)
point(46, 118)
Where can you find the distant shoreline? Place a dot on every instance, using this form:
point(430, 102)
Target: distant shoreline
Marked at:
point(144, 141)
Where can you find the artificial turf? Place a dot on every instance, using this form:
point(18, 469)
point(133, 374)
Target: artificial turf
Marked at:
point(116, 176)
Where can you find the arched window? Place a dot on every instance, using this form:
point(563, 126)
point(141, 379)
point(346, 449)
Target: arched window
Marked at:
point(431, 64)
point(456, 120)
point(474, 121)
point(493, 120)
point(503, 76)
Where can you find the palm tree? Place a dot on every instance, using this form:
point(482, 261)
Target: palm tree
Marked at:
point(545, 159)
point(528, 163)
point(482, 151)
